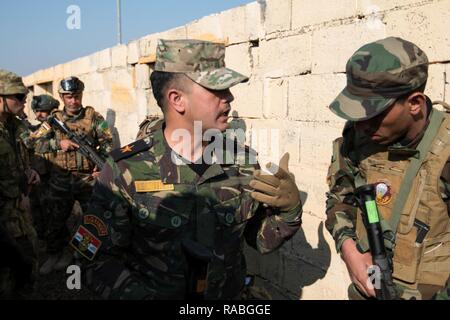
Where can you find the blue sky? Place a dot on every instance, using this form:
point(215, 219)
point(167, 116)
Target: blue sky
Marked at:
point(34, 34)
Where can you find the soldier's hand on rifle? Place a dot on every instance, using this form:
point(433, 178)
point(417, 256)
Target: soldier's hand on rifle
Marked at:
point(357, 266)
point(32, 177)
point(67, 145)
point(96, 172)
point(279, 190)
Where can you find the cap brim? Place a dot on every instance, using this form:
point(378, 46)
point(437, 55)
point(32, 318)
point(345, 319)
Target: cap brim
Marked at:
point(219, 79)
point(357, 108)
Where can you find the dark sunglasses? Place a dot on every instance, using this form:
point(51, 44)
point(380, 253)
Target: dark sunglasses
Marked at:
point(19, 97)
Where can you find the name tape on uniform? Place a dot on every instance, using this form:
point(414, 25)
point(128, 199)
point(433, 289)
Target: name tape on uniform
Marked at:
point(152, 185)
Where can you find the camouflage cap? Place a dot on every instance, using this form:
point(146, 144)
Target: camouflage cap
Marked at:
point(44, 102)
point(203, 62)
point(11, 83)
point(377, 74)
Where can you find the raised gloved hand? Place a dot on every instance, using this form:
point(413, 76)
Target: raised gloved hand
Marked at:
point(278, 190)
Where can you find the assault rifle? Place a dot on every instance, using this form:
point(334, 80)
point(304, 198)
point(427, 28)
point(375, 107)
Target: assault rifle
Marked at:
point(365, 196)
point(86, 145)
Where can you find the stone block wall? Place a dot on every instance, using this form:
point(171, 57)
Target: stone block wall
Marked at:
point(294, 52)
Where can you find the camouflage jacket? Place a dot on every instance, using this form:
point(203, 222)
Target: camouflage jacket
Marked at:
point(15, 148)
point(101, 134)
point(152, 223)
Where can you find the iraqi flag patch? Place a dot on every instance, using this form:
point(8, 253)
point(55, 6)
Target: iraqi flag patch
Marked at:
point(85, 243)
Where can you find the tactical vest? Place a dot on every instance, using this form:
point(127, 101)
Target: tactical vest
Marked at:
point(73, 160)
point(420, 256)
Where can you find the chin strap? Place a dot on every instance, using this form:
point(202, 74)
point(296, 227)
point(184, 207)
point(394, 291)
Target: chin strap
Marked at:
point(5, 106)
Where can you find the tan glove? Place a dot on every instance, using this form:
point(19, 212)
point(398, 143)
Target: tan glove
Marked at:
point(279, 190)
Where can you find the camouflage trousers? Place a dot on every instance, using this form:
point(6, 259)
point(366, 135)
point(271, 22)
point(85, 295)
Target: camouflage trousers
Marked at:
point(39, 203)
point(18, 224)
point(64, 190)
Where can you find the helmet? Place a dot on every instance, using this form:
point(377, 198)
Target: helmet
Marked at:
point(71, 85)
point(11, 83)
point(44, 103)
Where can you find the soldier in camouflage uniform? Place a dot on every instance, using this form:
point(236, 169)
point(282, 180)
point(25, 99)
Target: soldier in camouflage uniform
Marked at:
point(42, 106)
point(72, 175)
point(18, 235)
point(395, 140)
point(158, 229)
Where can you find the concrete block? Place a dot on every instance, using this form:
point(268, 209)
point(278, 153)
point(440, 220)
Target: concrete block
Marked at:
point(204, 28)
point(94, 82)
point(310, 96)
point(278, 15)
point(248, 99)
point(126, 122)
point(142, 74)
point(147, 45)
point(237, 57)
point(123, 99)
point(95, 99)
point(435, 88)
point(254, 20)
point(286, 56)
point(142, 98)
point(44, 75)
point(29, 80)
point(275, 98)
point(272, 138)
point(67, 69)
point(133, 52)
point(233, 25)
point(426, 26)
point(104, 59)
point(316, 142)
point(121, 77)
point(119, 56)
point(312, 244)
point(81, 66)
point(174, 34)
point(367, 7)
point(306, 12)
point(332, 47)
point(58, 71)
point(312, 182)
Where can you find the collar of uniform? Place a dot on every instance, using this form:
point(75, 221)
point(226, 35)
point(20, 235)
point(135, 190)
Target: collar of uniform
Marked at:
point(171, 172)
point(75, 117)
point(408, 147)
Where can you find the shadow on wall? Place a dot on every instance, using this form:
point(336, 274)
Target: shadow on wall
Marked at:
point(285, 272)
point(296, 265)
point(111, 119)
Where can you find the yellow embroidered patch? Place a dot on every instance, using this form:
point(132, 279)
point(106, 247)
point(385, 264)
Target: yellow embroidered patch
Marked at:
point(152, 185)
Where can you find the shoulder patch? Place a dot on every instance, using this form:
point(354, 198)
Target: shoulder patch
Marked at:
point(131, 149)
point(85, 243)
